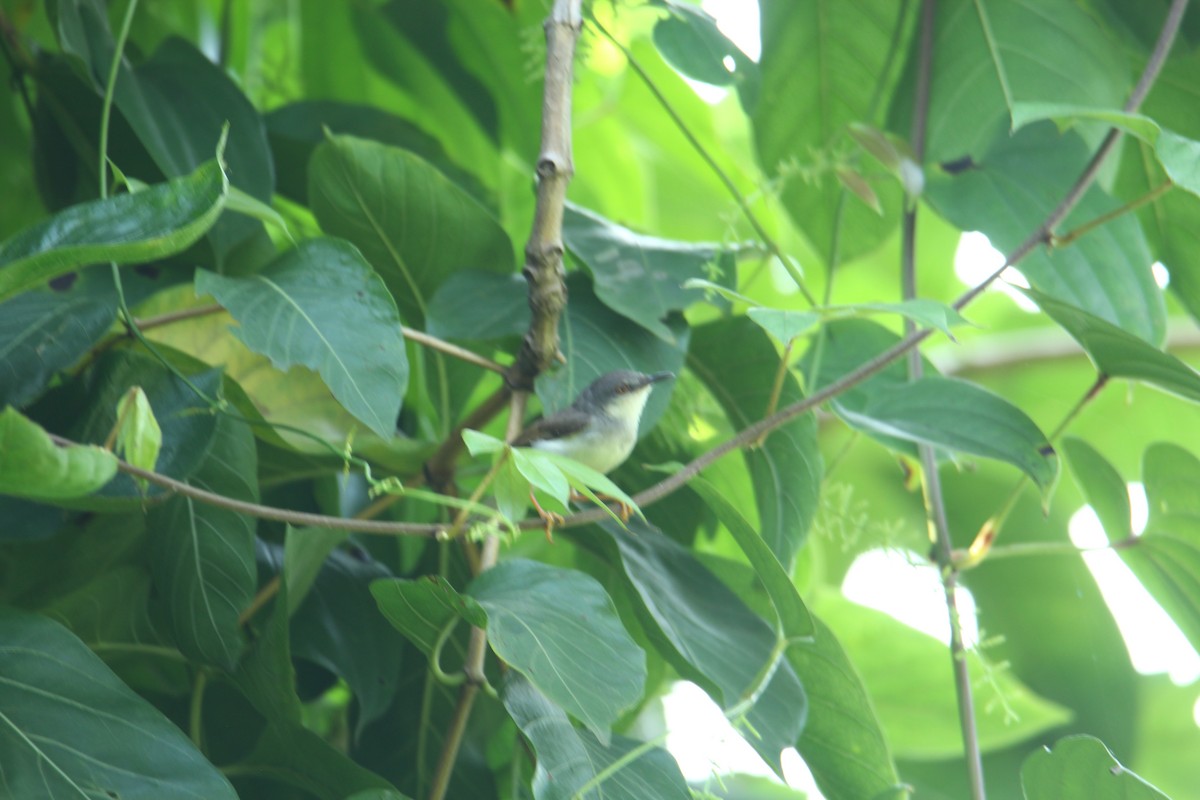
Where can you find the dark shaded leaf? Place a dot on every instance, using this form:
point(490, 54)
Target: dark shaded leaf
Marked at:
point(1102, 487)
point(568, 758)
point(690, 41)
point(479, 305)
point(559, 629)
point(737, 363)
point(709, 635)
point(422, 608)
point(202, 555)
point(70, 723)
point(642, 277)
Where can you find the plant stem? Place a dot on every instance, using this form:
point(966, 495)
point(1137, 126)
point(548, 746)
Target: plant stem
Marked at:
point(1077, 233)
point(696, 144)
point(196, 709)
point(935, 505)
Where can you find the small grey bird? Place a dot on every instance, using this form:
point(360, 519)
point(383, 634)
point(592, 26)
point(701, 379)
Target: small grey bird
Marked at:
point(600, 428)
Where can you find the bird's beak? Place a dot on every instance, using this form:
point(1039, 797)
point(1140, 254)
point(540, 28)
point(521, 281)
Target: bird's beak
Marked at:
point(659, 376)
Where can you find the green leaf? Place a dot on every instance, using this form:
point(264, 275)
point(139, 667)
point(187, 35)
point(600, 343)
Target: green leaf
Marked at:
point(479, 443)
point(642, 277)
point(1102, 487)
point(1012, 187)
point(422, 608)
point(961, 416)
point(1082, 768)
point(339, 628)
point(70, 723)
point(542, 473)
point(928, 313)
point(1178, 155)
point(568, 758)
point(595, 340)
point(294, 755)
point(36, 468)
point(709, 635)
point(511, 491)
point(783, 326)
point(794, 619)
point(583, 478)
point(812, 53)
point(560, 630)
point(414, 226)
point(690, 41)
point(917, 705)
point(844, 745)
point(304, 552)
point(138, 434)
point(126, 229)
point(296, 129)
point(1166, 557)
point(479, 305)
point(989, 57)
point(737, 364)
point(296, 311)
point(202, 555)
point(265, 674)
point(1118, 354)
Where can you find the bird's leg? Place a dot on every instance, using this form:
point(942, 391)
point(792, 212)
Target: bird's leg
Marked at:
point(623, 510)
point(549, 517)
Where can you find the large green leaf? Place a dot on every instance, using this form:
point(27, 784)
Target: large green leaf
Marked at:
point(642, 277)
point(422, 608)
point(795, 622)
point(297, 398)
point(304, 551)
point(824, 64)
point(339, 628)
point(560, 629)
point(203, 555)
point(1166, 557)
point(413, 225)
point(265, 674)
point(595, 340)
point(479, 305)
point(296, 310)
point(568, 758)
point(71, 728)
point(992, 54)
point(36, 468)
point(1178, 155)
point(1010, 189)
point(964, 417)
point(1082, 768)
point(291, 754)
point(844, 745)
point(917, 704)
point(126, 229)
point(1118, 354)
point(297, 129)
point(709, 635)
point(737, 363)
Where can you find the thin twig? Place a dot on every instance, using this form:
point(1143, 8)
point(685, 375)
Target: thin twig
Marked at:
point(1133, 205)
point(299, 518)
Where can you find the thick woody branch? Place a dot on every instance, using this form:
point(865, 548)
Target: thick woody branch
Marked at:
point(544, 252)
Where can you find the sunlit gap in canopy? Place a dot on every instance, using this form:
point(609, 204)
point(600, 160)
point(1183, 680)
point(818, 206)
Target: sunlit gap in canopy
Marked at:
point(1155, 643)
point(738, 20)
point(707, 746)
point(976, 259)
point(908, 588)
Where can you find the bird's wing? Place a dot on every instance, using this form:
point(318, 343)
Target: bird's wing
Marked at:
point(556, 426)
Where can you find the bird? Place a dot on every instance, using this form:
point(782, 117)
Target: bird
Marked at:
point(599, 429)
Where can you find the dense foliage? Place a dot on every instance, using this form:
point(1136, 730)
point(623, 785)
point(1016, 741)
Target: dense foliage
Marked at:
point(261, 265)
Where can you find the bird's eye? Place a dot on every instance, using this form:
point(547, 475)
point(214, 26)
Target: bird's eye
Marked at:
point(622, 388)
